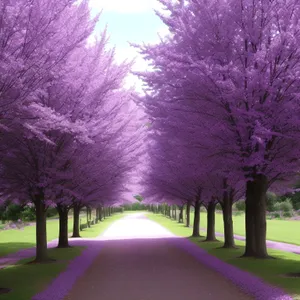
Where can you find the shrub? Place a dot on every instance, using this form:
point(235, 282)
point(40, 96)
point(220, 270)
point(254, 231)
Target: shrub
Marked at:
point(13, 212)
point(28, 214)
point(277, 206)
point(287, 205)
point(51, 212)
point(277, 215)
point(287, 214)
point(272, 199)
point(240, 205)
point(218, 206)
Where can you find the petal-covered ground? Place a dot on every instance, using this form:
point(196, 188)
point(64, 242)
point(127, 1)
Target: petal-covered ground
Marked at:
point(137, 259)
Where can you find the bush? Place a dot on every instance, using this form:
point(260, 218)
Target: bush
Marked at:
point(51, 212)
point(285, 207)
point(28, 214)
point(13, 212)
point(218, 206)
point(287, 214)
point(272, 199)
point(277, 207)
point(240, 205)
point(277, 215)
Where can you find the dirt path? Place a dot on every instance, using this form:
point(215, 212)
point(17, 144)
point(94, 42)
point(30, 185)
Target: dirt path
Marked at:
point(152, 268)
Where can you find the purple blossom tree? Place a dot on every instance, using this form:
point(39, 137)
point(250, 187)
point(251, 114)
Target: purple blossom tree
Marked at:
point(228, 76)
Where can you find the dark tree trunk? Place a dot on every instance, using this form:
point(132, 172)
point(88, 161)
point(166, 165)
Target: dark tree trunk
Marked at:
point(256, 225)
point(63, 241)
point(180, 218)
point(100, 213)
point(211, 234)
point(41, 231)
point(196, 226)
point(104, 213)
point(76, 212)
point(249, 220)
point(97, 214)
point(227, 221)
point(175, 214)
point(109, 211)
point(188, 215)
point(87, 217)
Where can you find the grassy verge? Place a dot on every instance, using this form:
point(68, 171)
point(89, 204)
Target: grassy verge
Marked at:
point(269, 270)
point(27, 280)
point(13, 240)
point(286, 231)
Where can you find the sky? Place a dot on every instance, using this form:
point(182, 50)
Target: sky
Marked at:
point(129, 21)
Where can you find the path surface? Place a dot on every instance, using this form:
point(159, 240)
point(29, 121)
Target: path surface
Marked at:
point(138, 261)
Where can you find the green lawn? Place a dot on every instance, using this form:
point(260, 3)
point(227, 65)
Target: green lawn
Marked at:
point(286, 231)
point(270, 270)
point(27, 280)
point(14, 240)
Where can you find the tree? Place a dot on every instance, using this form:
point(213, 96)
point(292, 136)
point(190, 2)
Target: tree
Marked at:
point(235, 66)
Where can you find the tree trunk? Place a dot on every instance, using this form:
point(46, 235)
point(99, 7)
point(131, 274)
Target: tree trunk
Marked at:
point(101, 213)
point(256, 225)
point(76, 212)
point(175, 214)
point(104, 213)
point(210, 229)
point(180, 218)
point(196, 226)
point(188, 216)
point(41, 231)
point(227, 221)
point(63, 241)
point(249, 220)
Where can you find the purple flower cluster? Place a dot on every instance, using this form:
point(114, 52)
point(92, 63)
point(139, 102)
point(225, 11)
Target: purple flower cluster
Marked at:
point(247, 282)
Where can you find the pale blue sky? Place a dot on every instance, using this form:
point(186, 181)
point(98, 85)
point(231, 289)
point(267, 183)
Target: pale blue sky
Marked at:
point(129, 20)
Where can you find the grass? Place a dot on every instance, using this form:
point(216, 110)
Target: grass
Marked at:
point(286, 231)
point(13, 240)
point(26, 280)
point(269, 270)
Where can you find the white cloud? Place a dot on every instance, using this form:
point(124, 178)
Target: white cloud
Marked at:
point(125, 6)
